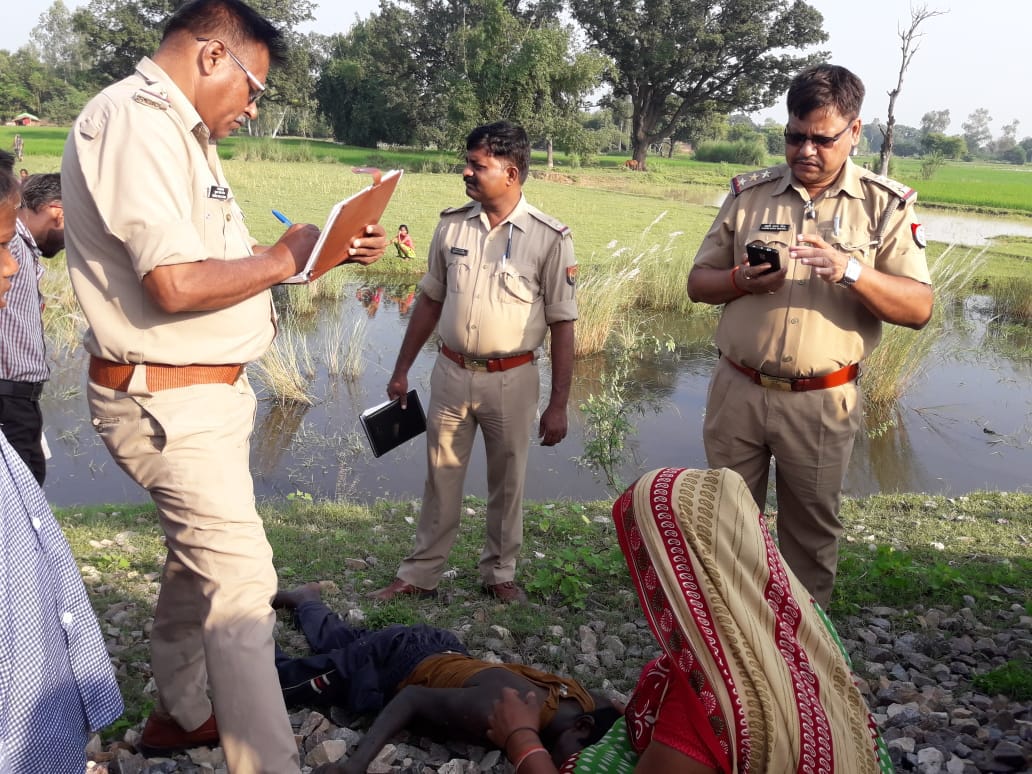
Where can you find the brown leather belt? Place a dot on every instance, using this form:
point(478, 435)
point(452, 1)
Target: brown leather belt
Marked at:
point(801, 384)
point(490, 364)
point(116, 376)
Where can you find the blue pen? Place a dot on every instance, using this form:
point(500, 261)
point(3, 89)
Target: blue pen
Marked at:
point(282, 218)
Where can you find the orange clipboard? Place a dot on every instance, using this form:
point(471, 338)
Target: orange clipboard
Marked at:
point(347, 222)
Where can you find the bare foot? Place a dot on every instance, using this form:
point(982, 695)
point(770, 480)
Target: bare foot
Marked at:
point(310, 592)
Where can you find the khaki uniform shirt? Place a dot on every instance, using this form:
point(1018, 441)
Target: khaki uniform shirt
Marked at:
point(810, 327)
point(143, 187)
point(501, 288)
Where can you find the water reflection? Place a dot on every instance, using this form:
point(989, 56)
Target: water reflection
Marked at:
point(966, 424)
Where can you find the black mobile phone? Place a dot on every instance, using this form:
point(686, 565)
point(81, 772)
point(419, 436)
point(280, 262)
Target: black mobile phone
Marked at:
point(759, 254)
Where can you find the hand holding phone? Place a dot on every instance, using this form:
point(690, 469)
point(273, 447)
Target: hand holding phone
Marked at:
point(760, 254)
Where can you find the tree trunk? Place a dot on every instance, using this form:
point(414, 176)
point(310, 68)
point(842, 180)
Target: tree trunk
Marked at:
point(910, 42)
point(551, 153)
point(887, 140)
point(283, 115)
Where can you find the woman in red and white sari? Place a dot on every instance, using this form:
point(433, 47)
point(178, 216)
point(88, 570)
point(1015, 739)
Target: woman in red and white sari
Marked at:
point(751, 676)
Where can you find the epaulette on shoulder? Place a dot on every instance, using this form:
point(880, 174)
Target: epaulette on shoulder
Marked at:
point(461, 208)
point(749, 179)
point(905, 193)
point(156, 98)
point(551, 222)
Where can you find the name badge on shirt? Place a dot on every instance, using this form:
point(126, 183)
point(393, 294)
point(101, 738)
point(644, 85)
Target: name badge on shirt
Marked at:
point(459, 251)
point(219, 192)
point(774, 227)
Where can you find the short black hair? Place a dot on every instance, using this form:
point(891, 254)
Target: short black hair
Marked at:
point(232, 19)
point(402, 226)
point(826, 85)
point(604, 718)
point(9, 185)
point(40, 190)
point(505, 140)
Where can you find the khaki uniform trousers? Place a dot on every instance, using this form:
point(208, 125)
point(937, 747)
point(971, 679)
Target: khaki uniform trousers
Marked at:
point(810, 434)
point(213, 623)
point(503, 404)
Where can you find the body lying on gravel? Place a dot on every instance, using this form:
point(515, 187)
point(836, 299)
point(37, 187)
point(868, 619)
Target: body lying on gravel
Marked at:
point(421, 676)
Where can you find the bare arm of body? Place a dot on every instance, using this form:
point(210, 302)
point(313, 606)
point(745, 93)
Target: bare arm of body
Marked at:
point(201, 286)
point(454, 713)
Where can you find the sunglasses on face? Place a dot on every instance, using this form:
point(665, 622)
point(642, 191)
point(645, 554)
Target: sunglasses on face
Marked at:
point(819, 140)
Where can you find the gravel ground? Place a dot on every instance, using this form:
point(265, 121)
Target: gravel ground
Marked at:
point(915, 669)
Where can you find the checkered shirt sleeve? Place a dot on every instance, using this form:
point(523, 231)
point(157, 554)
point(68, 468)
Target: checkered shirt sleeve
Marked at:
point(56, 679)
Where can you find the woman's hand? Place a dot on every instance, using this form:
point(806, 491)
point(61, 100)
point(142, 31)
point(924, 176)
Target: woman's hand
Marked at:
point(513, 713)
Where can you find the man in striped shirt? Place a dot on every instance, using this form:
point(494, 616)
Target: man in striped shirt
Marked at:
point(23, 362)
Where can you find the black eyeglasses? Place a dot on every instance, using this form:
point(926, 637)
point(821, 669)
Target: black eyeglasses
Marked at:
point(819, 140)
point(259, 87)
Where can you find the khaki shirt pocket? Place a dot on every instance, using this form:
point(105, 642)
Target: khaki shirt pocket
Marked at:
point(857, 242)
point(459, 273)
point(513, 286)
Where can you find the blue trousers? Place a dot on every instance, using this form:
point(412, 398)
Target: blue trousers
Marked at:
point(353, 668)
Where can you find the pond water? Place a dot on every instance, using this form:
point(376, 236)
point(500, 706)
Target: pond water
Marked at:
point(965, 424)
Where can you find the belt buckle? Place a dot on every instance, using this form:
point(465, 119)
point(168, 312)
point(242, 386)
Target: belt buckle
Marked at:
point(472, 364)
point(781, 383)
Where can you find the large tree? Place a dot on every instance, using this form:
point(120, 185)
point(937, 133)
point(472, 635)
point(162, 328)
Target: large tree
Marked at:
point(935, 121)
point(120, 32)
point(976, 131)
point(681, 59)
point(370, 87)
point(430, 70)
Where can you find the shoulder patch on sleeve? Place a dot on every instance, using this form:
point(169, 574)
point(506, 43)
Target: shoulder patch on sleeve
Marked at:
point(905, 193)
point(154, 97)
point(551, 222)
point(749, 179)
point(460, 208)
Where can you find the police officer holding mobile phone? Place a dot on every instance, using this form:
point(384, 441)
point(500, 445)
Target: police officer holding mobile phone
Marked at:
point(792, 340)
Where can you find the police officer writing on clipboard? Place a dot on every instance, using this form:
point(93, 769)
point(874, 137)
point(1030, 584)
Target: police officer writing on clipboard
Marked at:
point(792, 340)
point(177, 298)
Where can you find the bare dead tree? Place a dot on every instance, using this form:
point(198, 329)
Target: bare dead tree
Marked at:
point(910, 42)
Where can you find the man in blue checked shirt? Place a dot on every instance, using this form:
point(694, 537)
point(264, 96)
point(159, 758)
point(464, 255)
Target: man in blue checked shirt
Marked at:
point(56, 680)
point(23, 357)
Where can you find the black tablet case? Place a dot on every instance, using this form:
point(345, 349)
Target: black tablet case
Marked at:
point(388, 425)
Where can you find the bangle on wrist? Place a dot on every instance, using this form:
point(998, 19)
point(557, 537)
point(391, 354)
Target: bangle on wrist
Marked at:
point(734, 284)
point(505, 744)
point(532, 751)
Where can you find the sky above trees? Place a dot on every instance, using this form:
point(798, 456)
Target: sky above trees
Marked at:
point(973, 57)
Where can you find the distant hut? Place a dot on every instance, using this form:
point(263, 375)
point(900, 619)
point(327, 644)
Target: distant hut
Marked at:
point(25, 119)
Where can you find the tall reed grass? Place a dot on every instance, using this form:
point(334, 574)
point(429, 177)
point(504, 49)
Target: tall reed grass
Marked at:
point(287, 368)
point(649, 274)
point(343, 346)
point(63, 321)
point(896, 363)
point(1012, 298)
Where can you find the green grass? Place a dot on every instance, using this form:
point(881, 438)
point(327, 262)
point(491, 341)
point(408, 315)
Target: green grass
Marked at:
point(905, 550)
point(1013, 680)
point(985, 186)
